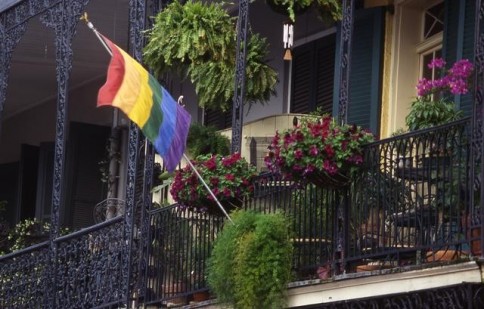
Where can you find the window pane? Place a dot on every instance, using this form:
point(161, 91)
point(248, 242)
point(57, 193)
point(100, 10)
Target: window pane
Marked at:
point(426, 72)
point(434, 20)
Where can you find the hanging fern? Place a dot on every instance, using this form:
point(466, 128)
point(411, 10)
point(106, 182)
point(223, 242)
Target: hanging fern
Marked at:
point(198, 41)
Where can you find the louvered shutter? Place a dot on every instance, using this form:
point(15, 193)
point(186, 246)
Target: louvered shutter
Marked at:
point(313, 76)
point(218, 119)
point(459, 39)
point(366, 68)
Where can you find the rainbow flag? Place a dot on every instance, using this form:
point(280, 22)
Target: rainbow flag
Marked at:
point(138, 94)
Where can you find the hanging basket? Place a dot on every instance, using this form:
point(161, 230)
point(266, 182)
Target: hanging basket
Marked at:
point(283, 8)
point(324, 180)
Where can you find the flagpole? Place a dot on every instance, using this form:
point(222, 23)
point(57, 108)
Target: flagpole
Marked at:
point(98, 35)
point(91, 26)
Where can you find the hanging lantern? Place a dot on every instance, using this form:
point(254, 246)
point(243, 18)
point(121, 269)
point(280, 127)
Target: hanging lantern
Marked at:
point(288, 33)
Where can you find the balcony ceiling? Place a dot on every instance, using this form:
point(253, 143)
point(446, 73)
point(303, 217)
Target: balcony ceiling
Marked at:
point(32, 78)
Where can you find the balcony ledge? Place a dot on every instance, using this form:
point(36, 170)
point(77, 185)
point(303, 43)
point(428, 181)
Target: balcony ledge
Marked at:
point(366, 284)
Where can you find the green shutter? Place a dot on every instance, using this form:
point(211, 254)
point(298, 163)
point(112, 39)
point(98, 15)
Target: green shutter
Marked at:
point(366, 69)
point(459, 39)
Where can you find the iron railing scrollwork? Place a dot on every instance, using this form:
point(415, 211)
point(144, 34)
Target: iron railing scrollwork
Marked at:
point(239, 91)
point(346, 34)
point(477, 153)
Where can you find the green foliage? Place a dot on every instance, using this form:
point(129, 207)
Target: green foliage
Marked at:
point(204, 140)
point(426, 113)
point(250, 265)
point(198, 41)
point(26, 233)
point(329, 10)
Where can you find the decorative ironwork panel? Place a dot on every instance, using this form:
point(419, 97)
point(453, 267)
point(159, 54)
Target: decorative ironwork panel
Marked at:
point(477, 153)
point(345, 59)
point(407, 205)
point(180, 243)
point(137, 15)
point(90, 270)
point(63, 18)
point(239, 92)
point(23, 277)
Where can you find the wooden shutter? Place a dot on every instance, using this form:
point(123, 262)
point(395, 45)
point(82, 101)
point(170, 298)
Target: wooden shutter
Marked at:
point(86, 147)
point(9, 189)
point(313, 75)
point(459, 40)
point(218, 119)
point(29, 165)
point(45, 180)
point(366, 69)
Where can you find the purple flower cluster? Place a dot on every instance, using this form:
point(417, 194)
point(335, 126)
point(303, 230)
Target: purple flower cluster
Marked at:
point(455, 80)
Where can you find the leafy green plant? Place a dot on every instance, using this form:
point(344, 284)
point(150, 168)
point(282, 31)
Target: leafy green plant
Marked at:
point(426, 113)
point(250, 264)
point(198, 40)
point(329, 10)
point(203, 140)
point(28, 232)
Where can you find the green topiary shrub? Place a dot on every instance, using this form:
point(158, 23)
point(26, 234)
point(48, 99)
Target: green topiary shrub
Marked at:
point(250, 265)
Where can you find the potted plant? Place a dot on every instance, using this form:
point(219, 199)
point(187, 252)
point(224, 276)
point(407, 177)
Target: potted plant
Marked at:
point(250, 264)
point(198, 41)
point(229, 178)
point(432, 106)
point(319, 150)
point(329, 10)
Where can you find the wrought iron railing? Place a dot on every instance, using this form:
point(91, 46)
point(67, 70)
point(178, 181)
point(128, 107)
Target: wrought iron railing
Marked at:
point(85, 269)
point(409, 206)
point(410, 203)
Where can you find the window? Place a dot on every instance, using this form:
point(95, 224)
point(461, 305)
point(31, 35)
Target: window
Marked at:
point(433, 20)
point(431, 45)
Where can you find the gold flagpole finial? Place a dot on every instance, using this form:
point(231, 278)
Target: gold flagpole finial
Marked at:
point(84, 17)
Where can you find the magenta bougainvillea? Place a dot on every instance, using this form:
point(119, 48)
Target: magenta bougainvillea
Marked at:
point(318, 144)
point(434, 105)
point(456, 79)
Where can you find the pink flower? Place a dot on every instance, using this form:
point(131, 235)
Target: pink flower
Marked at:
point(329, 151)
point(227, 192)
point(230, 177)
point(211, 164)
point(298, 154)
point(313, 150)
point(462, 68)
point(330, 167)
point(214, 181)
point(436, 63)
